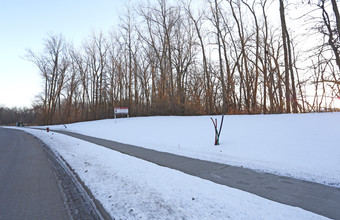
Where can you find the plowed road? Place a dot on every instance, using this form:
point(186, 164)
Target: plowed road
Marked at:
point(33, 185)
point(28, 186)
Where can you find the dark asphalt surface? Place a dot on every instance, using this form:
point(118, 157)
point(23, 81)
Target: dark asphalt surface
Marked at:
point(34, 185)
point(28, 187)
point(314, 197)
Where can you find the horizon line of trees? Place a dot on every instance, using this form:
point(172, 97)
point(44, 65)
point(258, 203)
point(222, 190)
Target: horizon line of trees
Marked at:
point(10, 116)
point(211, 57)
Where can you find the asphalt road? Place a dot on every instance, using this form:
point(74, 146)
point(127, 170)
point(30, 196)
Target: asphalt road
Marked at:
point(33, 184)
point(28, 186)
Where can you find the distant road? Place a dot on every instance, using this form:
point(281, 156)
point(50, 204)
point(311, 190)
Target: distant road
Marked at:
point(33, 185)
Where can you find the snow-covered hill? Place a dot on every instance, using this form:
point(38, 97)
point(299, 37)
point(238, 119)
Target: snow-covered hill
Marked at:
point(305, 146)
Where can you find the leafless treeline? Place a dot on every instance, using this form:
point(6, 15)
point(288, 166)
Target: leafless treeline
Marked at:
point(182, 58)
point(10, 116)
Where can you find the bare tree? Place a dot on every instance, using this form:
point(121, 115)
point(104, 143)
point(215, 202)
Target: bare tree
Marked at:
point(331, 28)
point(207, 78)
point(215, 11)
point(53, 64)
point(96, 50)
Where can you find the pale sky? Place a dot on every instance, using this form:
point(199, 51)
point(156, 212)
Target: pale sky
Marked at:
point(25, 24)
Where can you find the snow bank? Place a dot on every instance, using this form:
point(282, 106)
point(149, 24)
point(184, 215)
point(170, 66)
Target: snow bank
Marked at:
point(131, 188)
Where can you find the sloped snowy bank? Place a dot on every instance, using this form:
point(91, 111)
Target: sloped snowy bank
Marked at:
point(131, 188)
point(304, 146)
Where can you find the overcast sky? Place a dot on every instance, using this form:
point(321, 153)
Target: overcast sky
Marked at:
point(25, 24)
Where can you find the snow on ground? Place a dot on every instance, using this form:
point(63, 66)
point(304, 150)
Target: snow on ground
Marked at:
point(304, 146)
point(130, 188)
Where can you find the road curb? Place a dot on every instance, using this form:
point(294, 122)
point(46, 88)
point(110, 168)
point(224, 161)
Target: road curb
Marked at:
point(97, 204)
point(97, 207)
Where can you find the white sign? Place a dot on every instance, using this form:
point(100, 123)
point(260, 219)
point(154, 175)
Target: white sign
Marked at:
point(121, 111)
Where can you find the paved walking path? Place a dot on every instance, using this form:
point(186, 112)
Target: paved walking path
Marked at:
point(314, 197)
